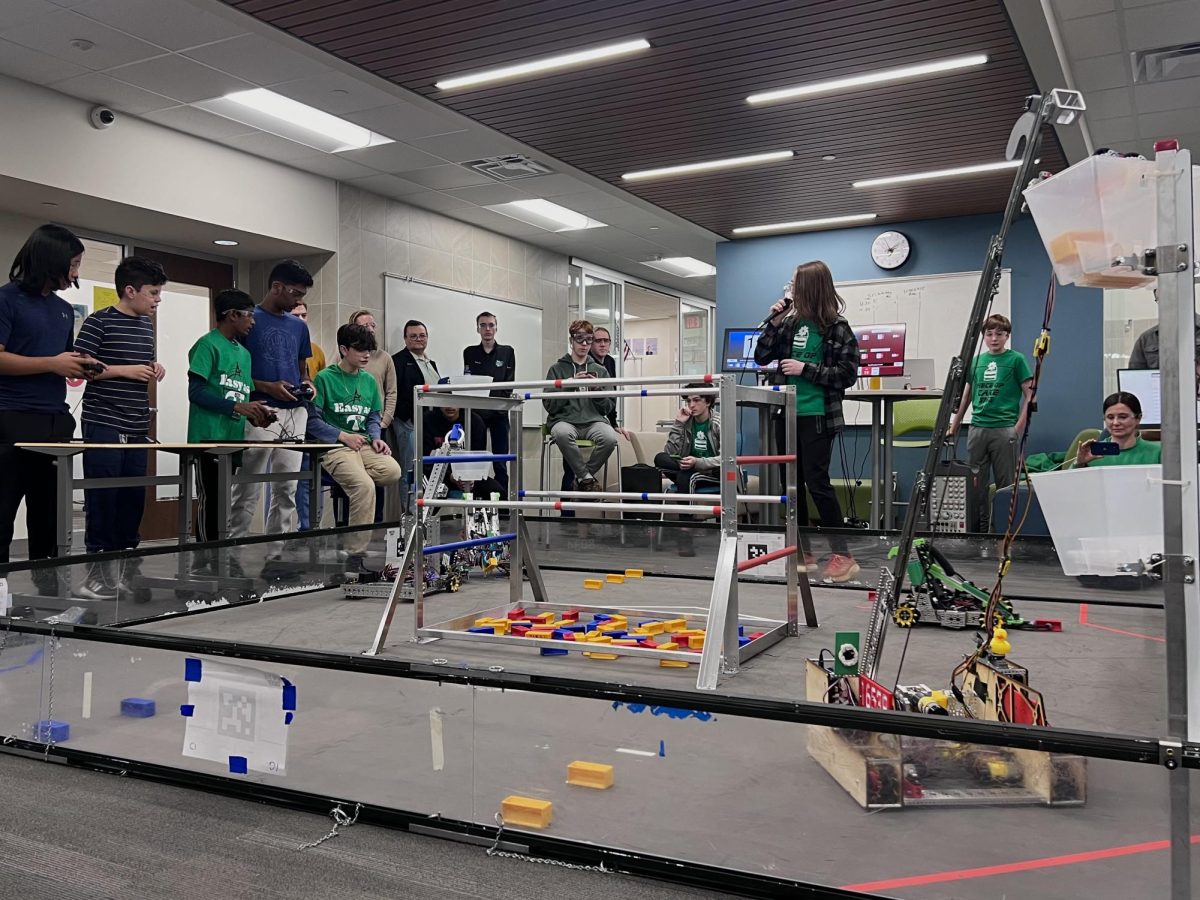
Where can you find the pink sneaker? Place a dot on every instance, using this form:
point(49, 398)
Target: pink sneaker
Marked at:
point(810, 561)
point(840, 568)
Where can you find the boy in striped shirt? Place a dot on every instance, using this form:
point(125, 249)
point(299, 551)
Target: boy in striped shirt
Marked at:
point(116, 410)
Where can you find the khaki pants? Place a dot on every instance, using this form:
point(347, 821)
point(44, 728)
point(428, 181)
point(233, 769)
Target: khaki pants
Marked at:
point(357, 472)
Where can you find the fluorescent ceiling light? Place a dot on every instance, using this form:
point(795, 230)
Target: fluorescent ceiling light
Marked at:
point(939, 173)
point(545, 64)
point(710, 166)
point(291, 119)
point(683, 266)
point(545, 214)
point(806, 223)
point(881, 77)
point(225, 242)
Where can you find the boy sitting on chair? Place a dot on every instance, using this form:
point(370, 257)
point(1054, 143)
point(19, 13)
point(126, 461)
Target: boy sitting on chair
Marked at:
point(348, 410)
point(575, 416)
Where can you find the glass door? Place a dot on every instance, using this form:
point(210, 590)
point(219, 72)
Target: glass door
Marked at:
point(695, 338)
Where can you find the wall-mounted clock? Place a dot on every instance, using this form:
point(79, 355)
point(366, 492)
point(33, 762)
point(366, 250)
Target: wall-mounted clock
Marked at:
point(890, 250)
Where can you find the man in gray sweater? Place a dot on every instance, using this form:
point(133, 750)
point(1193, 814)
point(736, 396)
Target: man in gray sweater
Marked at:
point(578, 416)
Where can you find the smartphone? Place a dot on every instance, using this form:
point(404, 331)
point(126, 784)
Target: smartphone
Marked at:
point(1105, 448)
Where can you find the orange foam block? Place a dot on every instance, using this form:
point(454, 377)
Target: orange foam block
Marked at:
point(526, 812)
point(590, 775)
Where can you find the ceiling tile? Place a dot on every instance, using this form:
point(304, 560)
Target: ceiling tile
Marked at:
point(490, 194)
point(388, 186)
point(334, 92)
point(585, 201)
point(475, 143)
point(1156, 126)
point(18, 12)
point(441, 178)
point(1101, 72)
point(54, 32)
point(1114, 133)
point(120, 96)
point(257, 59)
point(173, 24)
point(438, 202)
point(333, 165)
point(1074, 9)
point(198, 122)
point(30, 65)
point(554, 185)
point(1093, 36)
point(1108, 104)
point(405, 121)
point(485, 218)
point(270, 146)
point(1167, 25)
point(184, 79)
point(1180, 93)
point(392, 158)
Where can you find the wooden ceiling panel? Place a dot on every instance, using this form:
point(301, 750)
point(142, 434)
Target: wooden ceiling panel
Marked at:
point(684, 100)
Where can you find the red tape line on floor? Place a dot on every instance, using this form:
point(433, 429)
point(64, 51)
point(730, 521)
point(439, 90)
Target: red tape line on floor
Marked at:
point(1007, 868)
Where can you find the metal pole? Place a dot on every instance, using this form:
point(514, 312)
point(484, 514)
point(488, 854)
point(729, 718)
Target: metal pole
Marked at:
point(644, 392)
point(729, 486)
point(418, 529)
point(65, 470)
point(567, 382)
point(769, 499)
point(876, 468)
point(516, 479)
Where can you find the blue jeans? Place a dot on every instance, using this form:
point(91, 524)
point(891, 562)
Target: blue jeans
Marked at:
point(112, 515)
point(303, 489)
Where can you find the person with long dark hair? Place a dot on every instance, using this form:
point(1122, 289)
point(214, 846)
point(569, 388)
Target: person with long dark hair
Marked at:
point(36, 359)
point(1122, 416)
point(818, 353)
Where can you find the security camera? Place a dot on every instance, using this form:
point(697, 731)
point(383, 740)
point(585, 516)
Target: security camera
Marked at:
point(102, 117)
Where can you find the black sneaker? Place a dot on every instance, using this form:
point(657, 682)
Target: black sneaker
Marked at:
point(356, 565)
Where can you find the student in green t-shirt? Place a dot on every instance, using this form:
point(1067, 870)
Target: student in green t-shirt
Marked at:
point(219, 386)
point(348, 410)
point(1122, 415)
point(692, 457)
point(999, 385)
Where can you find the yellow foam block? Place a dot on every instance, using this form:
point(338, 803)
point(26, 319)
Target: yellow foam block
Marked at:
point(481, 623)
point(612, 626)
point(668, 645)
point(633, 573)
point(593, 584)
point(624, 642)
point(500, 626)
point(589, 774)
point(615, 579)
point(545, 618)
point(689, 631)
point(539, 633)
point(695, 641)
point(674, 625)
point(674, 663)
point(595, 637)
point(650, 628)
point(594, 655)
point(526, 812)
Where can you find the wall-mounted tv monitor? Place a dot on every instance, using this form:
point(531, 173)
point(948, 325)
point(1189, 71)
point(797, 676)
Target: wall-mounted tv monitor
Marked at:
point(737, 351)
point(1146, 385)
point(880, 349)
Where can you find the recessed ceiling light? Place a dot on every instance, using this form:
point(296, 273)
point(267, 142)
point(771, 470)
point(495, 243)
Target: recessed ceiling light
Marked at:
point(225, 242)
point(291, 119)
point(682, 266)
point(939, 173)
point(545, 64)
point(713, 165)
point(49, 203)
point(545, 214)
point(828, 157)
point(806, 223)
point(881, 77)
point(82, 44)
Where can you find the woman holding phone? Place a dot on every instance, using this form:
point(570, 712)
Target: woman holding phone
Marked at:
point(1122, 416)
point(818, 354)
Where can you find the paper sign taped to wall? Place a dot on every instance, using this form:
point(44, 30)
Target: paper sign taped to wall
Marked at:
point(237, 712)
point(102, 297)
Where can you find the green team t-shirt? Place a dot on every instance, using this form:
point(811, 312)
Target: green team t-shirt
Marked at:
point(701, 444)
point(225, 367)
point(1142, 453)
point(808, 347)
point(996, 380)
point(346, 400)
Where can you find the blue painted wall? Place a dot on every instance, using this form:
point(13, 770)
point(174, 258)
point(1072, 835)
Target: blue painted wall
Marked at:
point(751, 273)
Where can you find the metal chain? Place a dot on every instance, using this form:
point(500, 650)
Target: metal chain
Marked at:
point(494, 851)
point(340, 821)
point(53, 641)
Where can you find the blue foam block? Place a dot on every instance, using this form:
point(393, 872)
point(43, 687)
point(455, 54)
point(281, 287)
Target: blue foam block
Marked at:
point(575, 628)
point(741, 630)
point(601, 617)
point(289, 696)
point(743, 641)
point(51, 731)
point(482, 629)
point(191, 670)
point(187, 709)
point(617, 634)
point(238, 765)
point(287, 719)
point(559, 634)
point(553, 651)
point(137, 707)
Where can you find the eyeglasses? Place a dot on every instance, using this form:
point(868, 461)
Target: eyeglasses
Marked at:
point(582, 338)
point(297, 292)
point(241, 313)
point(416, 337)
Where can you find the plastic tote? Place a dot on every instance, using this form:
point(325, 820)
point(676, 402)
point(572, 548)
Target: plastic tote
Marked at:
point(1099, 209)
point(1104, 520)
point(469, 471)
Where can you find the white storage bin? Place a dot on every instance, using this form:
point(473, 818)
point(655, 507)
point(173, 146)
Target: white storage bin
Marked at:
point(469, 471)
point(1102, 519)
point(1099, 209)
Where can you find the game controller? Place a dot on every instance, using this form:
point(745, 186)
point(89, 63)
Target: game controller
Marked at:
point(92, 368)
point(302, 391)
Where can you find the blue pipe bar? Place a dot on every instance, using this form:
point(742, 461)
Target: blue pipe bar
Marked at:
point(469, 457)
point(474, 542)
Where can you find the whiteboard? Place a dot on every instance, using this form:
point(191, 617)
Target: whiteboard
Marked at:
point(449, 315)
point(934, 307)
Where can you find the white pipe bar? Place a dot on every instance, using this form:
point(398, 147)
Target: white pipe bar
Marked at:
point(523, 385)
point(593, 392)
point(713, 509)
point(631, 495)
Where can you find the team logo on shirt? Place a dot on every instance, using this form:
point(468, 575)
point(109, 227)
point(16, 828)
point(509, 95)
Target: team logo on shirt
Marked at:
point(499, 363)
point(235, 389)
point(992, 372)
point(355, 413)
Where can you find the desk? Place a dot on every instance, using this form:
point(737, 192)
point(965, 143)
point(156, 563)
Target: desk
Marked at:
point(882, 402)
point(64, 455)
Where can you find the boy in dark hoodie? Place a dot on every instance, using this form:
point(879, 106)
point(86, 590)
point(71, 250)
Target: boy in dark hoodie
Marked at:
point(578, 416)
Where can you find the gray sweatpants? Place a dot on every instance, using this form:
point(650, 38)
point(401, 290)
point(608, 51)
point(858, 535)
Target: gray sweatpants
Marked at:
point(994, 452)
point(602, 436)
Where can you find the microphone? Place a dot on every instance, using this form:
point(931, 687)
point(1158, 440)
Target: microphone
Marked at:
point(771, 315)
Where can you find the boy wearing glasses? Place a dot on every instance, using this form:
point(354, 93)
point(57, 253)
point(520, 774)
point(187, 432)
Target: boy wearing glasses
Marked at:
point(499, 362)
point(578, 416)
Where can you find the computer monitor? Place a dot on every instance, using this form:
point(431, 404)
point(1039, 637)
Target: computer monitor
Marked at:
point(738, 351)
point(1145, 385)
point(880, 349)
